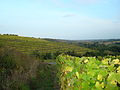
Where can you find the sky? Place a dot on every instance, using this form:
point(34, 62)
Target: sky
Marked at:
point(61, 19)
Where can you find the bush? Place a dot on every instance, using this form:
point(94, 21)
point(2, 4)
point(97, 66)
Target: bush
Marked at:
point(15, 69)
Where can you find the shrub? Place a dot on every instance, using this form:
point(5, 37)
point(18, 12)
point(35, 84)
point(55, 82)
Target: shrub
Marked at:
point(15, 69)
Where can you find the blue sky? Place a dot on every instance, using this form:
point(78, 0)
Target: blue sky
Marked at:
point(62, 19)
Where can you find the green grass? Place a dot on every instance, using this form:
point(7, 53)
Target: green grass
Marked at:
point(45, 79)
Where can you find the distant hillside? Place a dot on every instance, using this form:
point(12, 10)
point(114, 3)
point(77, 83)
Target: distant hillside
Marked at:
point(101, 41)
point(102, 47)
point(30, 44)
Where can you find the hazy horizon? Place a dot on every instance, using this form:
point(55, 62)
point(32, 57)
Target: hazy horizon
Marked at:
point(60, 19)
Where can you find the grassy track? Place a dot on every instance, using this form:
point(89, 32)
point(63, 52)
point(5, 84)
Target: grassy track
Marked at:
point(46, 78)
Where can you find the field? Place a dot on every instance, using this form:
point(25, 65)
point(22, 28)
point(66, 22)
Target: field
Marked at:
point(29, 44)
point(28, 63)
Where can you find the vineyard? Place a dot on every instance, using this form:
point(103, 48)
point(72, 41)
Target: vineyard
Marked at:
point(28, 63)
point(89, 73)
point(29, 45)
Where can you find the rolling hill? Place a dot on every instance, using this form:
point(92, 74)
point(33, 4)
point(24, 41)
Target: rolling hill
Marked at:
point(30, 44)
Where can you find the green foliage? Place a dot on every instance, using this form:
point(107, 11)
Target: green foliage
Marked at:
point(45, 78)
point(19, 86)
point(103, 48)
point(11, 34)
point(44, 56)
point(15, 69)
point(88, 73)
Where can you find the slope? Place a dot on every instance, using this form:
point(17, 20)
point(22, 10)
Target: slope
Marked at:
point(30, 44)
